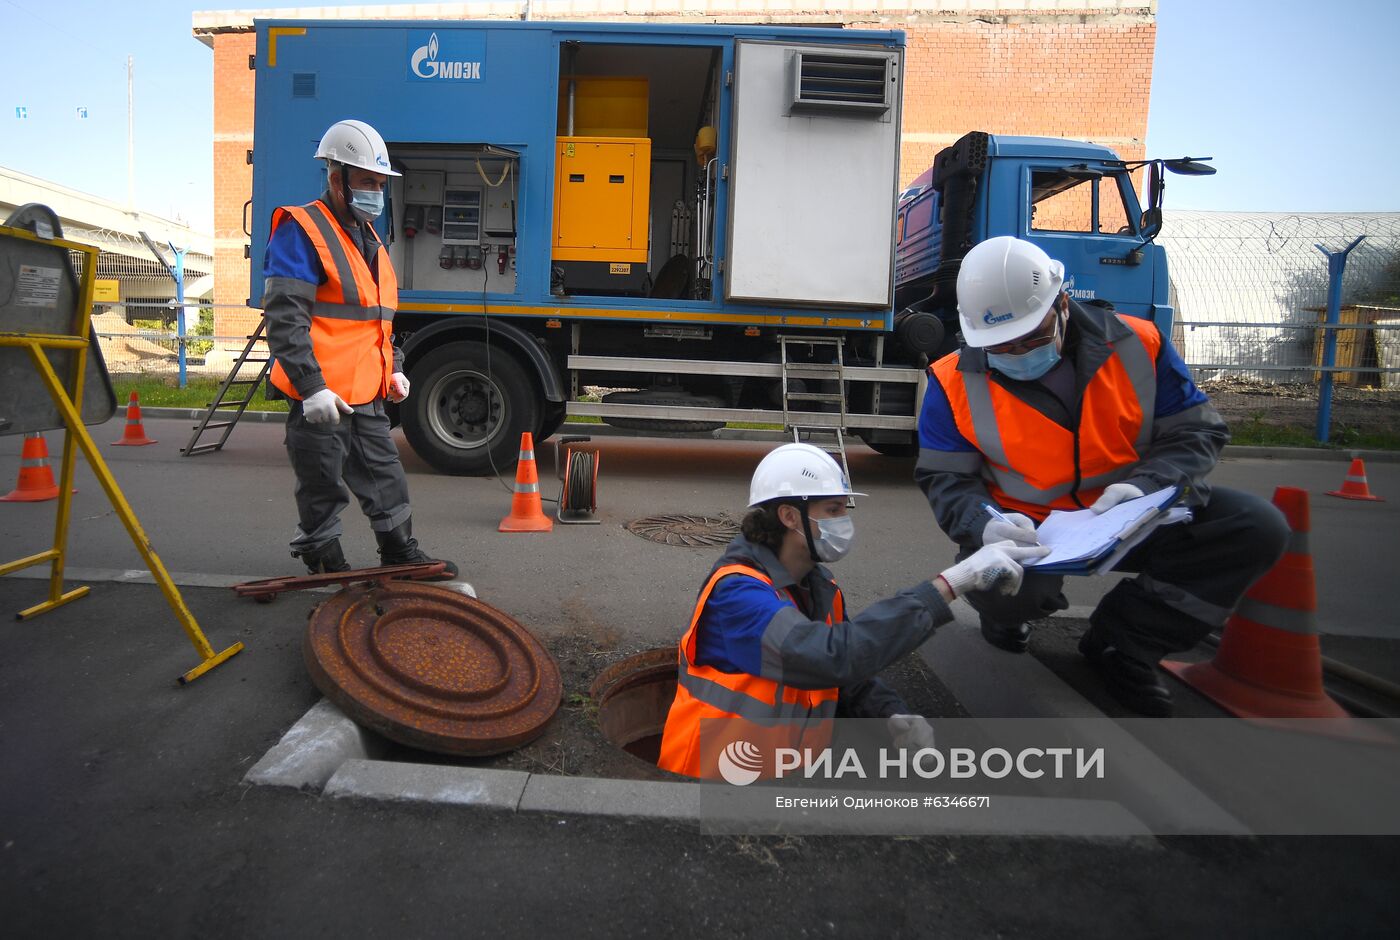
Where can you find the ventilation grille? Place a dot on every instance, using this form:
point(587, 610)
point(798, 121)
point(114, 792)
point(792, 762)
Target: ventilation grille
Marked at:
point(303, 84)
point(842, 82)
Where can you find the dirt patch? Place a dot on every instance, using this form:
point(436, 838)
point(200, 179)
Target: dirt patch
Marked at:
point(573, 745)
point(1242, 403)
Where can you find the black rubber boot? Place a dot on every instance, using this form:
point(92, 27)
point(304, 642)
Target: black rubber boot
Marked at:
point(1012, 637)
point(399, 547)
point(1135, 684)
point(327, 559)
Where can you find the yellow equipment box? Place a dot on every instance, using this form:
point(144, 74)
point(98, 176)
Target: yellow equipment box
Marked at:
point(602, 199)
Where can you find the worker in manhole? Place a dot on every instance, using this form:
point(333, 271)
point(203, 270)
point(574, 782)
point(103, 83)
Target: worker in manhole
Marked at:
point(329, 296)
point(770, 644)
point(1050, 405)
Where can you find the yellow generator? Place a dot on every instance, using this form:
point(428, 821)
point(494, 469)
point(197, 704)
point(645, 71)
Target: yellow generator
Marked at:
point(602, 187)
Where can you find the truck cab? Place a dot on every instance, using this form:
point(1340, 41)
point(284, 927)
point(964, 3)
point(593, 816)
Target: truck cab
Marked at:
point(1075, 200)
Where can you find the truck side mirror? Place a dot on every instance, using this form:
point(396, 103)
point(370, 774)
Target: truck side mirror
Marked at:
point(1189, 166)
point(1151, 222)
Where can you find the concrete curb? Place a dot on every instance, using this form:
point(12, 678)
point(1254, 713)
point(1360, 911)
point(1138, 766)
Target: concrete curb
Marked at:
point(991, 683)
point(327, 751)
point(194, 414)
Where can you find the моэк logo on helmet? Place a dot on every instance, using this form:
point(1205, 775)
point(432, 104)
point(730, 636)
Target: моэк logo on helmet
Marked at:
point(740, 763)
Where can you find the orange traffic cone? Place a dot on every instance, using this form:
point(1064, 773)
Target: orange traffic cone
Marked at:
point(526, 511)
point(36, 482)
point(1354, 486)
point(1269, 665)
point(135, 433)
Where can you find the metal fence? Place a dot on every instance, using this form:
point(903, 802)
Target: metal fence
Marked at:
point(1251, 292)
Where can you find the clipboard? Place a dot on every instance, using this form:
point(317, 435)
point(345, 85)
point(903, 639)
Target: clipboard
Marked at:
point(1085, 542)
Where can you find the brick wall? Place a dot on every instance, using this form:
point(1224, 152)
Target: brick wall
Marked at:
point(1011, 69)
point(233, 179)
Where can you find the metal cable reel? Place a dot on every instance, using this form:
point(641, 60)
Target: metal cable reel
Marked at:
point(578, 483)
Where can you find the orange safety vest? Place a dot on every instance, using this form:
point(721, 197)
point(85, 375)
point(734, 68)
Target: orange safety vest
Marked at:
point(352, 316)
point(762, 712)
point(1032, 464)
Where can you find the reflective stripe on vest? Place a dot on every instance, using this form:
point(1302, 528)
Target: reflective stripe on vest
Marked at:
point(1029, 463)
point(351, 315)
point(800, 716)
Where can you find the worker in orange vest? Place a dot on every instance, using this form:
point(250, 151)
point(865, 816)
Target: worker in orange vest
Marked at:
point(329, 295)
point(770, 647)
point(1055, 405)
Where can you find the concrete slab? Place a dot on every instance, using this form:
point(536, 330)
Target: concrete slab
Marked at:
point(312, 750)
point(462, 786)
point(991, 683)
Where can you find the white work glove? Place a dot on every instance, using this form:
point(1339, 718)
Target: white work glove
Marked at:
point(910, 732)
point(1016, 528)
point(324, 407)
point(1115, 494)
point(398, 387)
point(992, 566)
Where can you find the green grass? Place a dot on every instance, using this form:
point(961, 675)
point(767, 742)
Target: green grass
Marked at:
point(162, 392)
point(1257, 433)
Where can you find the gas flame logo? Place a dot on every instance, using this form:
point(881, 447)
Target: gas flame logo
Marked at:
point(424, 62)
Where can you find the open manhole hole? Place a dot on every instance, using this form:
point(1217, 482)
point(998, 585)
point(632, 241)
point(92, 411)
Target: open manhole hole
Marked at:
point(685, 529)
point(633, 697)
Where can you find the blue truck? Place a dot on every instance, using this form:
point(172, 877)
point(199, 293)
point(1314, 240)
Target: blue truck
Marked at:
point(665, 226)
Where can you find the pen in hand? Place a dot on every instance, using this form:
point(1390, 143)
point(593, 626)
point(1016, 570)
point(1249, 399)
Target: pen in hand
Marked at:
point(1013, 526)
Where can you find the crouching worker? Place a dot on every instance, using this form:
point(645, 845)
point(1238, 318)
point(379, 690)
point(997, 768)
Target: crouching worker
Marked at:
point(770, 645)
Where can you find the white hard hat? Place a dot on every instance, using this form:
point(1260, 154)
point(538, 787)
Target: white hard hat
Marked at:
point(1005, 288)
point(355, 143)
point(796, 471)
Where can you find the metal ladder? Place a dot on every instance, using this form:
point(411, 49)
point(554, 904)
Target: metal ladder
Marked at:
point(820, 371)
point(223, 401)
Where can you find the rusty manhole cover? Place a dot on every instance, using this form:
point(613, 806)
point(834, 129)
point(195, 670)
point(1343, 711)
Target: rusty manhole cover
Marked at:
point(681, 529)
point(431, 668)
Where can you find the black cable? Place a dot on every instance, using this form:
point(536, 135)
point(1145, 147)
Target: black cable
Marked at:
point(490, 382)
point(578, 486)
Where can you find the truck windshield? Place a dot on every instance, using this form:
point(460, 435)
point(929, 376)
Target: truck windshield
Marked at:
point(1060, 203)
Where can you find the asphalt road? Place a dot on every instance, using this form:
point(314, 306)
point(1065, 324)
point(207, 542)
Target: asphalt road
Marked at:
point(122, 812)
point(232, 513)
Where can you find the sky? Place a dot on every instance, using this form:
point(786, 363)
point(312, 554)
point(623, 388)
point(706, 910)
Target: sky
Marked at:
point(1293, 98)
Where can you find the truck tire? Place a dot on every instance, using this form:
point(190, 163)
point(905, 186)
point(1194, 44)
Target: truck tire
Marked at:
point(667, 399)
point(553, 420)
point(467, 411)
point(909, 448)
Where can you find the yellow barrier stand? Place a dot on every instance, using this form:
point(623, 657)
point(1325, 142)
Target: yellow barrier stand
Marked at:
point(76, 437)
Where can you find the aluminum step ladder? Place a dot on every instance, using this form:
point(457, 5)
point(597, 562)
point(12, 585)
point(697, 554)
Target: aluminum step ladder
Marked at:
point(223, 401)
point(822, 372)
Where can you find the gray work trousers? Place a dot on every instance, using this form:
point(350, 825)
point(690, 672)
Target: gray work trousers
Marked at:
point(359, 451)
point(1189, 578)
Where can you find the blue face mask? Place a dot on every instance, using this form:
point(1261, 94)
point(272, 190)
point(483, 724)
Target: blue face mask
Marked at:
point(366, 204)
point(1026, 366)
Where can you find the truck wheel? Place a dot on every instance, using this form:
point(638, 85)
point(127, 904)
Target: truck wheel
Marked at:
point(463, 417)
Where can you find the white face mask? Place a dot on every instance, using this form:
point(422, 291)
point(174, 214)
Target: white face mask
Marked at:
point(838, 534)
point(366, 204)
